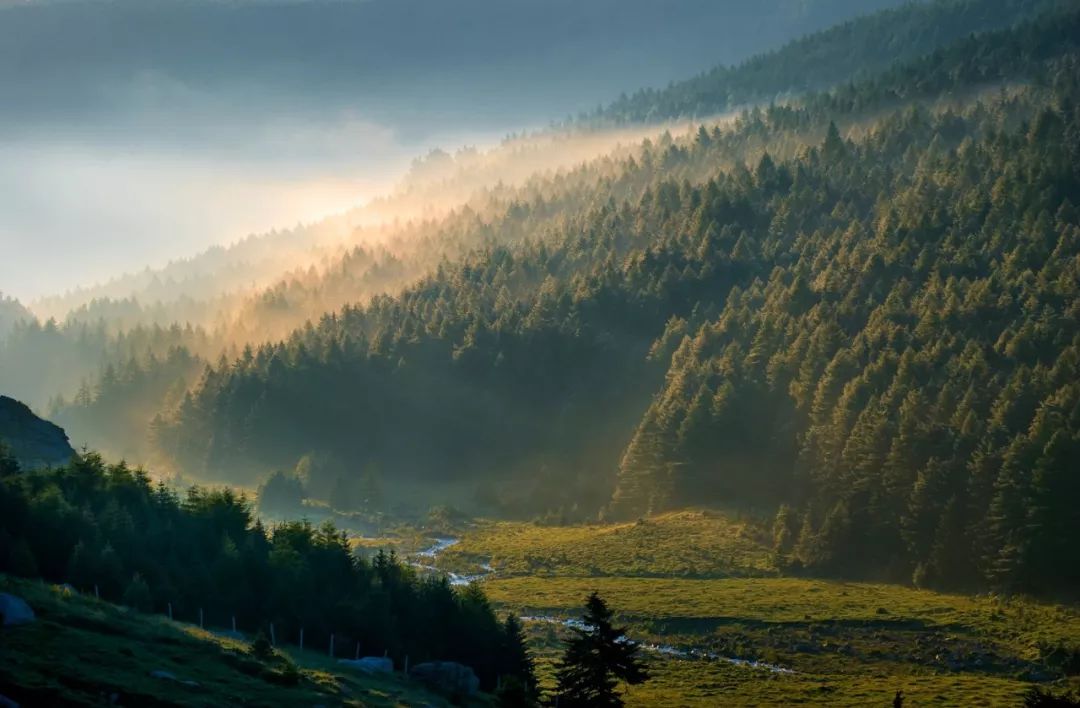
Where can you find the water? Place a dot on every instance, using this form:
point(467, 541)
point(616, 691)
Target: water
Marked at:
point(691, 653)
point(425, 561)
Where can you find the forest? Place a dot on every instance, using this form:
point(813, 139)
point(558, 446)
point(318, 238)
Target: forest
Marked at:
point(109, 531)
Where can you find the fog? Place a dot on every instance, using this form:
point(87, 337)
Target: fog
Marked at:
point(133, 133)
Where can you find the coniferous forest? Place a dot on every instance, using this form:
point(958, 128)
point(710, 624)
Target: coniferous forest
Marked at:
point(827, 297)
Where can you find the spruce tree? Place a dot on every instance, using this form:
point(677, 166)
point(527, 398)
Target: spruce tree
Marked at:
point(596, 659)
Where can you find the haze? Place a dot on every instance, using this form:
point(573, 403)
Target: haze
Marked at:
point(136, 133)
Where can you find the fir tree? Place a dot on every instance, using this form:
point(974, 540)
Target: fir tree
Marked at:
point(596, 659)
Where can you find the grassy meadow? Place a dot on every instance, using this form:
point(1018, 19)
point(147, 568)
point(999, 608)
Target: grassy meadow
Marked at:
point(700, 582)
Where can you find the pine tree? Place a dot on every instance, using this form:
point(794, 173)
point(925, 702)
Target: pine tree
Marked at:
point(596, 659)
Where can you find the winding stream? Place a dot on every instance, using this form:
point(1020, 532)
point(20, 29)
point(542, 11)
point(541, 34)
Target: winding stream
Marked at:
point(668, 649)
point(425, 560)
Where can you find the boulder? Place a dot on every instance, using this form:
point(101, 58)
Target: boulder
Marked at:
point(448, 677)
point(14, 610)
point(371, 664)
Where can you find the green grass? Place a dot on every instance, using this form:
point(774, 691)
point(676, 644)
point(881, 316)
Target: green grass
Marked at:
point(681, 544)
point(81, 651)
point(698, 580)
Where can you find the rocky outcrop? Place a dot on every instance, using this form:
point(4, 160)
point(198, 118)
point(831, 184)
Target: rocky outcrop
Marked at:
point(14, 610)
point(34, 442)
point(448, 677)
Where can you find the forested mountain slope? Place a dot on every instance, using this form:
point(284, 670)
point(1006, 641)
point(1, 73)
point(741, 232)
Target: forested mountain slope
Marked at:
point(850, 51)
point(880, 331)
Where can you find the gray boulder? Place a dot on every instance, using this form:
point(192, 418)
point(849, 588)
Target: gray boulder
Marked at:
point(370, 664)
point(447, 676)
point(14, 610)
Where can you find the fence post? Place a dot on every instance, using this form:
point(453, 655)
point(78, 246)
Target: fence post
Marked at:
point(234, 624)
point(96, 595)
point(170, 612)
point(301, 639)
point(331, 645)
point(273, 641)
point(358, 651)
point(200, 618)
point(406, 664)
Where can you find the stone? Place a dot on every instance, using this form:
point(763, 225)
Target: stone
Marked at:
point(447, 676)
point(14, 610)
point(163, 675)
point(371, 664)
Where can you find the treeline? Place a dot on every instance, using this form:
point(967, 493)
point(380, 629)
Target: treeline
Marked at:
point(108, 529)
point(850, 52)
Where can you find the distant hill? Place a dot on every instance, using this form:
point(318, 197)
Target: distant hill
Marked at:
point(34, 442)
point(11, 311)
point(849, 51)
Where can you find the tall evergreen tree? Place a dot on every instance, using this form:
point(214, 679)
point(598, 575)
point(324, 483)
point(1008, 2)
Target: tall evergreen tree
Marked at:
point(596, 659)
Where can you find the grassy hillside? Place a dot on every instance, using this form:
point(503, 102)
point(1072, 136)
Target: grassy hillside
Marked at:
point(680, 544)
point(81, 651)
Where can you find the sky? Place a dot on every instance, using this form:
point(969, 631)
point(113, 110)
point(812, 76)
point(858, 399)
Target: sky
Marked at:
point(135, 132)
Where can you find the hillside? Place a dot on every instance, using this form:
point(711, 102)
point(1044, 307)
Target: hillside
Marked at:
point(851, 51)
point(83, 652)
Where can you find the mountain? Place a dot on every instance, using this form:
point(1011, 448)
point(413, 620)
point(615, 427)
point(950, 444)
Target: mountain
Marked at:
point(850, 51)
point(873, 324)
point(32, 441)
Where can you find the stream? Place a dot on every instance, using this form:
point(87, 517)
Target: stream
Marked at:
point(425, 560)
point(668, 649)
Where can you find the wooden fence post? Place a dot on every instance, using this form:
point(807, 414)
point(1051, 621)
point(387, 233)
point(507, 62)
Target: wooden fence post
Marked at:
point(273, 641)
point(331, 645)
point(301, 639)
point(170, 612)
point(200, 618)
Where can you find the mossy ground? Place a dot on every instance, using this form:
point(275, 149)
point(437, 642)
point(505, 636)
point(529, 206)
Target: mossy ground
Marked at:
point(81, 651)
point(694, 580)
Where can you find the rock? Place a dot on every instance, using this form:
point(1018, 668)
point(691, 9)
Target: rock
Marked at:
point(447, 676)
point(6, 702)
point(14, 610)
point(33, 442)
point(163, 675)
point(371, 664)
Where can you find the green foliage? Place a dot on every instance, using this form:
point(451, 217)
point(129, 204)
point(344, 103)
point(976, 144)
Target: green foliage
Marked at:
point(137, 595)
point(106, 527)
point(597, 658)
point(281, 495)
